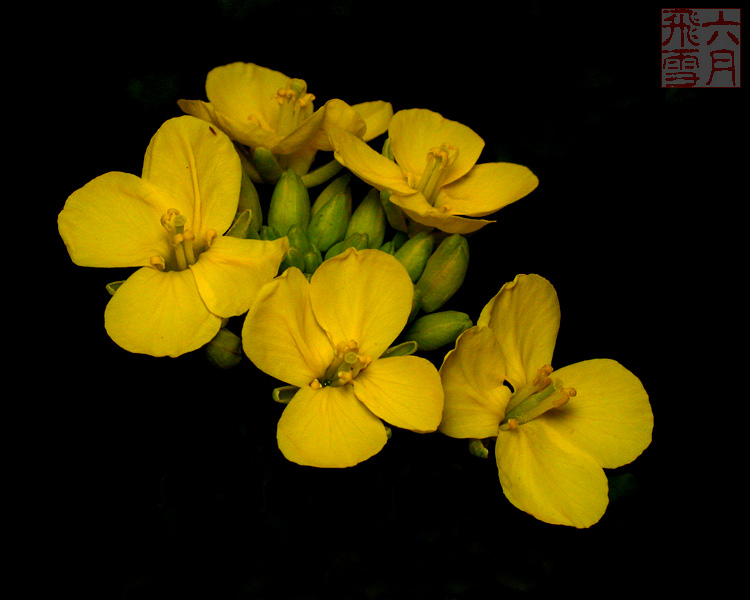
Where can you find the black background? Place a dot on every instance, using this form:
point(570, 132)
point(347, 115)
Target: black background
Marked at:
point(160, 478)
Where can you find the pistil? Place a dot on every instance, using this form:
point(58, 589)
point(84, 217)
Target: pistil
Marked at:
point(344, 368)
point(439, 159)
point(181, 239)
point(541, 396)
point(295, 106)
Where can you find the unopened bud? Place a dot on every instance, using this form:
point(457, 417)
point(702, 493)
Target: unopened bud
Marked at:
point(225, 350)
point(290, 203)
point(414, 254)
point(358, 241)
point(313, 259)
point(438, 329)
point(394, 214)
point(338, 185)
point(298, 238)
point(328, 224)
point(293, 258)
point(444, 273)
point(266, 165)
point(249, 200)
point(369, 218)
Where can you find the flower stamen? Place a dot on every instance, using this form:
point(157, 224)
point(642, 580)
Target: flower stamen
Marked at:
point(346, 365)
point(439, 159)
point(541, 396)
point(295, 106)
point(181, 240)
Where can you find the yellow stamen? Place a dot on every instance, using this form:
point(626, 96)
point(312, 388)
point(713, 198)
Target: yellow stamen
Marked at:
point(439, 159)
point(295, 106)
point(346, 365)
point(543, 395)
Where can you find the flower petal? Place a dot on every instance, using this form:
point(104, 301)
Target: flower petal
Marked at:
point(241, 90)
point(404, 391)
point(365, 296)
point(377, 115)
point(525, 317)
point(329, 427)
point(486, 189)
point(198, 166)
point(367, 164)
point(232, 271)
point(280, 334)
point(418, 209)
point(414, 132)
point(114, 221)
point(546, 476)
point(610, 417)
point(160, 313)
point(473, 375)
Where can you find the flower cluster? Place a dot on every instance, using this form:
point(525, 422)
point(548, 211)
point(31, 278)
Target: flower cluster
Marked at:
point(246, 209)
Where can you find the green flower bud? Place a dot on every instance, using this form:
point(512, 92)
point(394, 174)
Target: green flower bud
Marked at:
point(478, 449)
point(225, 350)
point(393, 213)
point(328, 224)
point(399, 239)
point(369, 218)
point(415, 252)
point(298, 238)
point(290, 203)
point(438, 329)
point(358, 241)
point(444, 272)
point(313, 259)
point(284, 393)
point(268, 233)
point(293, 258)
point(338, 185)
point(267, 166)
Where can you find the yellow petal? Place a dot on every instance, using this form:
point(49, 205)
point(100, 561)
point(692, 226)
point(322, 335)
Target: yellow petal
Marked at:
point(414, 132)
point(160, 313)
point(404, 391)
point(280, 334)
point(367, 164)
point(114, 221)
point(475, 397)
point(338, 114)
point(486, 189)
point(329, 427)
point(525, 317)
point(546, 476)
point(610, 417)
point(198, 167)
point(231, 273)
point(377, 116)
point(241, 90)
point(418, 209)
point(365, 296)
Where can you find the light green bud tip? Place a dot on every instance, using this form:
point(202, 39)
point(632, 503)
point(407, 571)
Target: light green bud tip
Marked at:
point(415, 252)
point(444, 273)
point(328, 223)
point(358, 241)
point(225, 350)
point(290, 203)
point(369, 218)
point(438, 329)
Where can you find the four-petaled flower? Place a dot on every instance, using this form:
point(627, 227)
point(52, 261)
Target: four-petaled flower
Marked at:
point(327, 338)
point(260, 107)
point(555, 430)
point(169, 222)
point(433, 176)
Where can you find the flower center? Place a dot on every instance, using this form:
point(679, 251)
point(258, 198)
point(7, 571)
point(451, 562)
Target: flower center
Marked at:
point(182, 241)
point(296, 105)
point(439, 159)
point(534, 400)
point(346, 365)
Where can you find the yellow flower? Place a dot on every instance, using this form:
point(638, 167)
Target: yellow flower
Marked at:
point(555, 430)
point(435, 179)
point(168, 222)
point(327, 338)
point(260, 107)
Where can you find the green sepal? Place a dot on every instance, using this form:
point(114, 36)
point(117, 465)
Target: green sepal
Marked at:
point(402, 349)
point(478, 449)
point(284, 393)
point(113, 286)
point(242, 226)
point(266, 165)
